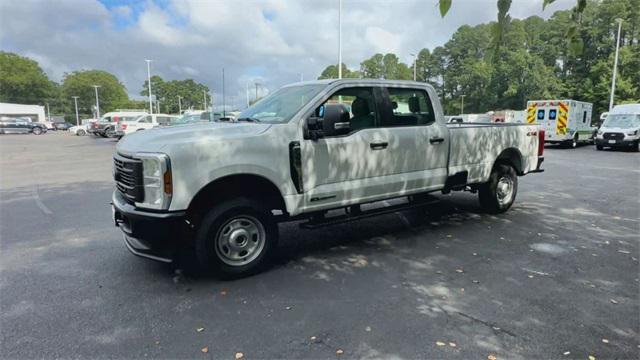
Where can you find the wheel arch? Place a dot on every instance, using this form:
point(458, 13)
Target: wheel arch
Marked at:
point(241, 185)
point(513, 157)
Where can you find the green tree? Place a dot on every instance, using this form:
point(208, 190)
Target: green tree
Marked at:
point(112, 94)
point(191, 94)
point(331, 72)
point(23, 81)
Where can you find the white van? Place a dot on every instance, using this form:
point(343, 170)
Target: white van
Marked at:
point(143, 122)
point(621, 128)
point(565, 122)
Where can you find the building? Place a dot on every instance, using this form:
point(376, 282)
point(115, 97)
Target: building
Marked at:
point(34, 112)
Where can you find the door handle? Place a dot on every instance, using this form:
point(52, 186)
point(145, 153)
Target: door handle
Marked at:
point(378, 145)
point(436, 140)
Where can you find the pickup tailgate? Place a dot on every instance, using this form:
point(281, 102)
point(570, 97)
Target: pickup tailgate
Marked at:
point(475, 147)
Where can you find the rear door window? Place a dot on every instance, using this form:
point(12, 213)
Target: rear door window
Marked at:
point(553, 113)
point(411, 107)
point(541, 114)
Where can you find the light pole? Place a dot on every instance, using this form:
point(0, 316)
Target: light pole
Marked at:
point(224, 100)
point(339, 39)
point(97, 102)
point(247, 93)
point(179, 105)
point(204, 96)
point(48, 113)
point(415, 63)
point(615, 65)
point(462, 104)
point(149, 83)
point(75, 100)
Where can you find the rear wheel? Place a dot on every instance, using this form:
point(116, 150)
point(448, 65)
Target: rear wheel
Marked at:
point(37, 130)
point(498, 194)
point(236, 238)
point(80, 132)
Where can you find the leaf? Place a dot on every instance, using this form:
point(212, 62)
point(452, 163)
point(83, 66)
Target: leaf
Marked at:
point(566, 353)
point(591, 357)
point(459, 270)
point(445, 5)
point(452, 344)
point(205, 349)
point(605, 341)
point(200, 329)
point(492, 357)
point(546, 2)
point(239, 355)
point(613, 301)
point(576, 46)
point(339, 352)
point(440, 343)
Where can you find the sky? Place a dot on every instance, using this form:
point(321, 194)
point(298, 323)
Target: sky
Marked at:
point(273, 42)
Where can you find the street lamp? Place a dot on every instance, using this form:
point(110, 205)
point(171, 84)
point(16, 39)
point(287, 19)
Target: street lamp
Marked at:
point(339, 39)
point(75, 100)
point(615, 65)
point(48, 113)
point(97, 102)
point(224, 100)
point(179, 105)
point(204, 96)
point(462, 104)
point(149, 83)
point(415, 63)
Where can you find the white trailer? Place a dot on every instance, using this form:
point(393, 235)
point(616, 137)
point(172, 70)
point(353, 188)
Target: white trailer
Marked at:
point(564, 121)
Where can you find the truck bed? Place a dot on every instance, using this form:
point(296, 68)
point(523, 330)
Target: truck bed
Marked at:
point(474, 147)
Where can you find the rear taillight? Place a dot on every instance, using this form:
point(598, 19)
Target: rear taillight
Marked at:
point(115, 119)
point(123, 126)
point(540, 141)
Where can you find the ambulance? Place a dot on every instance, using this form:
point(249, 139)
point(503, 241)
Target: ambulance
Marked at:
point(566, 122)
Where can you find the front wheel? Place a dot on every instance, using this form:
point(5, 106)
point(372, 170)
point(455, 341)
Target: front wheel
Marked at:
point(80, 132)
point(37, 130)
point(599, 147)
point(498, 194)
point(236, 238)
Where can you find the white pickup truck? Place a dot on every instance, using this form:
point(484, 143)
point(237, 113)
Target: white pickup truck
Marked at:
point(218, 190)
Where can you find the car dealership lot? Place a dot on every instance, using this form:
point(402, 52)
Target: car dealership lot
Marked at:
point(557, 273)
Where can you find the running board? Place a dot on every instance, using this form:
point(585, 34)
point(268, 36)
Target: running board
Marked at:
point(340, 219)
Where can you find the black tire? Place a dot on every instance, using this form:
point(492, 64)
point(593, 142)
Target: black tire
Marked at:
point(37, 130)
point(80, 133)
point(574, 142)
point(636, 148)
point(492, 193)
point(210, 244)
point(104, 135)
point(599, 147)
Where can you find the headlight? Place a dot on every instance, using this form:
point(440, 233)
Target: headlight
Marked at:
point(599, 132)
point(633, 133)
point(156, 180)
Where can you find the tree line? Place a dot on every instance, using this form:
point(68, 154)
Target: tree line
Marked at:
point(23, 81)
point(531, 59)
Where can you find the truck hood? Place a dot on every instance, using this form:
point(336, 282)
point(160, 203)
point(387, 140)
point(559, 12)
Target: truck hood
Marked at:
point(157, 139)
point(618, 129)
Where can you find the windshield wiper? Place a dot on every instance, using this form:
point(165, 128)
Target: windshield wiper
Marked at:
point(248, 119)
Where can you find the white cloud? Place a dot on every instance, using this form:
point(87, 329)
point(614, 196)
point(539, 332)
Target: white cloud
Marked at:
point(272, 40)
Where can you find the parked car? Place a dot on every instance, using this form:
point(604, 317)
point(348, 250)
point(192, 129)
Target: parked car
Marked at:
point(621, 128)
point(64, 126)
point(143, 122)
point(10, 125)
point(106, 126)
point(81, 130)
point(220, 189)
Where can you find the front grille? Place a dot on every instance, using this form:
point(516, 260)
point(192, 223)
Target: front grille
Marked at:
point(128, 177)
point(613, 136)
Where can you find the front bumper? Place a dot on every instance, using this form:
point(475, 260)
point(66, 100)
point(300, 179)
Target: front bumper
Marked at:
point(617, 143)
point(152, 235)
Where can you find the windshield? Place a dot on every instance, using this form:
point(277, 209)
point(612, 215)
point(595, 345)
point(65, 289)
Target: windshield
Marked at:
point(622, 121)
point(280, 106)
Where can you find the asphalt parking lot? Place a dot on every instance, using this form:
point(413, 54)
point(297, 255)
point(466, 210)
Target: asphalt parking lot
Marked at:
point(555, 277)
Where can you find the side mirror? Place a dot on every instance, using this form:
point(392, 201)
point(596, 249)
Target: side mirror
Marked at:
point(336, 120)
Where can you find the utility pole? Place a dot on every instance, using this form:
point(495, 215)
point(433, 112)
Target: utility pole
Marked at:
point(256, 91)
point(75, 100)
point(48, 113)
point(149, 83)
point(415, 63)
point(615, 65)
point(462, 105)
point(339, 39)
point(179, 105)
point(247, 92)
point(224, 100)
point(97, 102)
